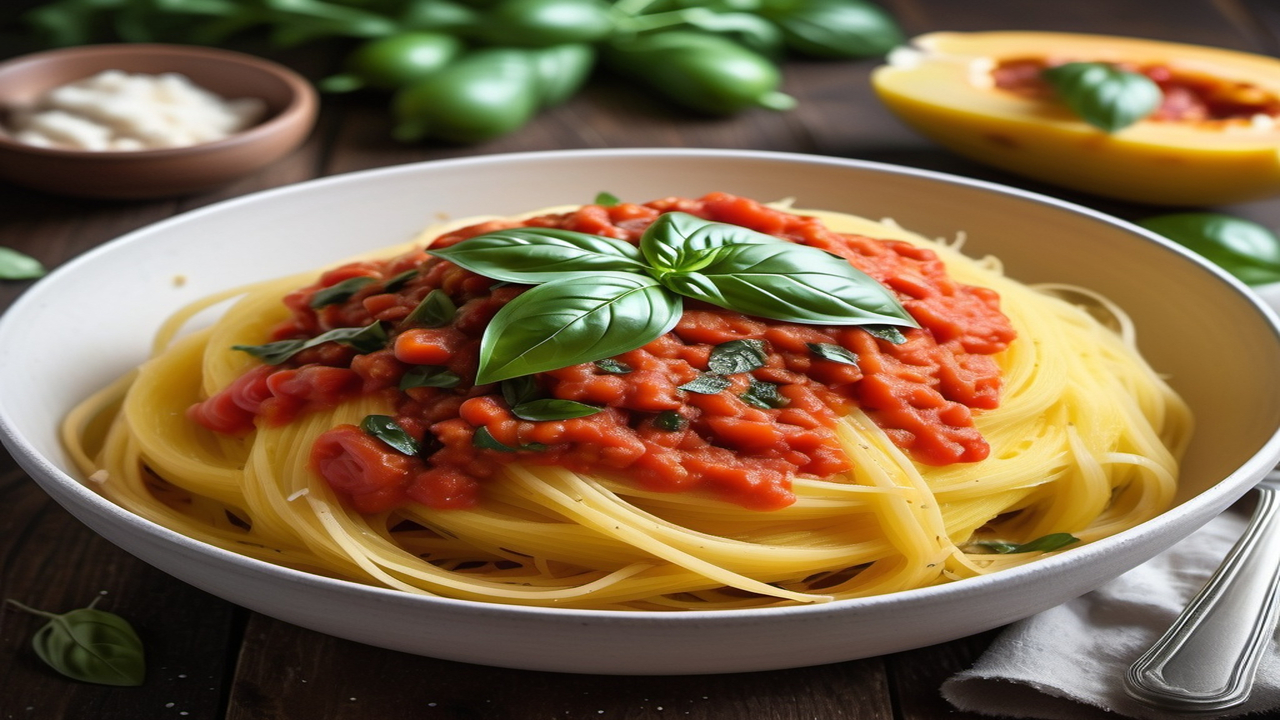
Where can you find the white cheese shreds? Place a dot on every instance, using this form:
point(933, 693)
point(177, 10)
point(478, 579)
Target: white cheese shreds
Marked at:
point(115, 110)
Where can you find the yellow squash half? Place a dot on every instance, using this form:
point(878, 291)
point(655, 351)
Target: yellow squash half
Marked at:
point(945, 86)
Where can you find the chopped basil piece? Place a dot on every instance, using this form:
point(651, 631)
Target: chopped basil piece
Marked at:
point(707, 384)
point(834, 353)
point(340, 292)
point(888, 333)
point(485, 440)
point(670, 420)
point(398, 281)
point(609, 366)
point(386, 429)
point(764, 395)
point(364, 339)
point(520, 390)
point(435, 310)
point(553, 409)
point(606, 199)
point(429, 376)
point(1047, 543)
point(736, 356)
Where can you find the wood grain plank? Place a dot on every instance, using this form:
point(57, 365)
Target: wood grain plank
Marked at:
point(287, 673)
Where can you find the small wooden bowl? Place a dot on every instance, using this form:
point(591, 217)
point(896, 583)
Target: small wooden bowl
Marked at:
point(291, 113)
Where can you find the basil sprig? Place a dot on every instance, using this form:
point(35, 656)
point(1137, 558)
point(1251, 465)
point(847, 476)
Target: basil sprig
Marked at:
point(1103, 95)
point(1242, 247)
point(386, 429)
point(597, 297)
point(18, 266)
point(364, 339)
point(90, 645)
point(1046, 543)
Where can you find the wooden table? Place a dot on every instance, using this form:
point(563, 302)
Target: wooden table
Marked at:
point(210, 659)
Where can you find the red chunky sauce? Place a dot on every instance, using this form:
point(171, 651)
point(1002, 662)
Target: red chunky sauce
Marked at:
point(650, 432)
point(1188, 96)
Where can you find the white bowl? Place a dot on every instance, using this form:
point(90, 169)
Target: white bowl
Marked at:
point(1219, 344)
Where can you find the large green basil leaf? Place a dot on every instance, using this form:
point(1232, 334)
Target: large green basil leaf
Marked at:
point(1103, 95)
point(1243, 248)
point(790, 282)
point(570, 321)
point(536, 255)
point(90, 645)
point(680, 242)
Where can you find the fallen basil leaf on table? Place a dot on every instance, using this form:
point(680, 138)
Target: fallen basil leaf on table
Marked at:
point(90, 645)
point(1243, 248)
point(17, 266)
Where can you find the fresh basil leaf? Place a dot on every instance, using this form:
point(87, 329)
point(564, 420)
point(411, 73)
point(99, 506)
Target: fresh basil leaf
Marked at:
point(707, 384)
point(575, 321)
point(680, 242)
point(519, 390)
point(485, 440)
point(1047, 543)
point(553, 409)
point(396, 282)
point(340, 292)
point(795, 283)
point(834, 353)
point(606, 199)
point(834, 28)
point(429, 376)
point(17, 266)
point(364, 339)
point(764, 395)
point(1242, 247)
point(670, 420)
point(386, 429)
point(537, 255)
point(609, 366)
point(736, 356)
point(435, 310)
point(90, 645)
point(1103, 95)
point(888, 333)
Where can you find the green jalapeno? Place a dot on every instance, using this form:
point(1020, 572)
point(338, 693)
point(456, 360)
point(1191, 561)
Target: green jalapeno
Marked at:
point(393, 62)
point(561, 70)
point(538, 23)
point(833, 28)
point(707, 73)
point(485, 94)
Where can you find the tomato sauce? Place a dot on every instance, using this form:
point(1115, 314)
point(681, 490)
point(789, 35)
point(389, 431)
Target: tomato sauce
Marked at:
point(1188, 96)
point(650, 432)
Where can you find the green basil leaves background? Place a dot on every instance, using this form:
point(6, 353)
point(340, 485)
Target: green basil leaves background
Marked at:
point(1242, 247)
point(1104, 96)
point(596, 297)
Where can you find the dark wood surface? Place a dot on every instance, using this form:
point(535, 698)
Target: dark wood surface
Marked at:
point(209, 659)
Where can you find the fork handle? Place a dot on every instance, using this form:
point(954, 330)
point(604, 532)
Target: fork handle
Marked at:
point(1207, 659)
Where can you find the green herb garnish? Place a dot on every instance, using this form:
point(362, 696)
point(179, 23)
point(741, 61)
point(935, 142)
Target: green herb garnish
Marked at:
point(340, 292)
point(553, 409)
point(435, 310)
point(606, 199)
point(17, 266)
point(596, 297)
point(485, 439)
point(364, 339)
point(888, 333)
point(763, 395)
point(707, 384)
point(398, 281)
point(386, 429)
point(1103, 95)
point(90, 645)
point(429, 376)
point(736, 356)
point(670, 420)
point(1242, 247)
point(609, 366)
point(520, 390)
point(1046, 543)
point(834, 353)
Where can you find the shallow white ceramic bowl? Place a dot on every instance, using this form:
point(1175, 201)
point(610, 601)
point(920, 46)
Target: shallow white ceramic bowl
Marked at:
point(1218, 343)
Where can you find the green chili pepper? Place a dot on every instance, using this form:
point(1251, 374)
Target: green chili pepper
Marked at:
point(834, 28)
point(706, 73)
point(485, 94)
point(561, 70)
point(393, 62)
point(436, 15)
point(538, 23)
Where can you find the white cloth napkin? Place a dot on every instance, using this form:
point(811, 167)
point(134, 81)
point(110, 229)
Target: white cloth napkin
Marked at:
point(1068, 663)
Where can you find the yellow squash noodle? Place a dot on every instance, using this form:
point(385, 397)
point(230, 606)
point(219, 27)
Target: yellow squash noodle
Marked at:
point(1085, 441)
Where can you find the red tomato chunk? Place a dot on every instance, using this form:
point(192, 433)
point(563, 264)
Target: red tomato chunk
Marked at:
point(650, 432)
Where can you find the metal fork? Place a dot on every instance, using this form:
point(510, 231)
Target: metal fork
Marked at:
point(1208, 658)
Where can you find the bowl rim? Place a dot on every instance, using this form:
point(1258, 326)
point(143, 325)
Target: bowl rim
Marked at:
point(301, 107)
point(1197, 508)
